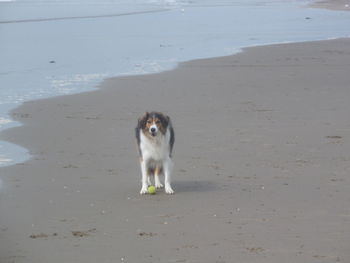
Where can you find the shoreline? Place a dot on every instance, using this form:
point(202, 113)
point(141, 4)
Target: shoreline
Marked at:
point(260, 157)
point(21, 119)
point(70, 79)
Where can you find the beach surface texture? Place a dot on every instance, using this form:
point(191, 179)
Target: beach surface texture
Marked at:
point(343, 5)
point(261, 165)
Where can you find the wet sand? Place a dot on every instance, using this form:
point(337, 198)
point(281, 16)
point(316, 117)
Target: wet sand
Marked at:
point(261, 165)
point(343, 5)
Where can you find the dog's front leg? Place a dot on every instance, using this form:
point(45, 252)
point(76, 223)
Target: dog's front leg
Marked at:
point(168, 165)
point(157, 182)
point(144, 189)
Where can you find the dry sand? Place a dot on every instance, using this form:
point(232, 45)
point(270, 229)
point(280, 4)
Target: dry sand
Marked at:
point(261, 165)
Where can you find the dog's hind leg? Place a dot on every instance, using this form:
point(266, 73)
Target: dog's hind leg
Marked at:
point(168, 165)
point(157, 182)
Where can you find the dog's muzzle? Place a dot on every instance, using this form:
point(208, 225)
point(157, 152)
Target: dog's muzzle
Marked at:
point(153, 131)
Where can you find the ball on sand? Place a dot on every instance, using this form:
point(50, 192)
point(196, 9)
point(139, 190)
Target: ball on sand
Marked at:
point(151, 190)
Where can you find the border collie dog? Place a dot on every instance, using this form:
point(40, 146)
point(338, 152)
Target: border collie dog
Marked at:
point(155, 140)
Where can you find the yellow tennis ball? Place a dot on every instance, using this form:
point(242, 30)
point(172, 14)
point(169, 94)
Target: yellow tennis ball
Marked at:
point(151, 190)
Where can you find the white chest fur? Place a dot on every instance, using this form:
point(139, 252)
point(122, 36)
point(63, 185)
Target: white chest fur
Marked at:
point(155, 148)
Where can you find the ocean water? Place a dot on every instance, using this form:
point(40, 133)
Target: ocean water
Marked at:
point(57, 47)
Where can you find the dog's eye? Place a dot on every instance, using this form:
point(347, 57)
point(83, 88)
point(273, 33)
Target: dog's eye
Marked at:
point(149, 122)
point(157, 122)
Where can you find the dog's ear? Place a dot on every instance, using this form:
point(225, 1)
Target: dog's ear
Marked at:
point(172, 135)
point(143, 119)
point(167, 118)
point(164, 119)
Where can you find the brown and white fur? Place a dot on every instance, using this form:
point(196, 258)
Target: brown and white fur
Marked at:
point(155, 140)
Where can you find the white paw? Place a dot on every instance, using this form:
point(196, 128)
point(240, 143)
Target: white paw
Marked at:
point(158, 185)
point(144, 190)
point(169, 190)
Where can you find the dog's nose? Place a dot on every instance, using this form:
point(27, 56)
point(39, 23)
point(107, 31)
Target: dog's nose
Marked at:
point(153, 129)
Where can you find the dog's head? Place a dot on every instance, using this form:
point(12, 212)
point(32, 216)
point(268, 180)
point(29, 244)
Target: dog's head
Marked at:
point(154, 123)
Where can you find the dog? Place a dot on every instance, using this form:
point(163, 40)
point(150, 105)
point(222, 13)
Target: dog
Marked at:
point(155, 141)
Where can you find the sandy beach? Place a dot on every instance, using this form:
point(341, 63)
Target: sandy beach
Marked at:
point(343, 5)
point(261, 165)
